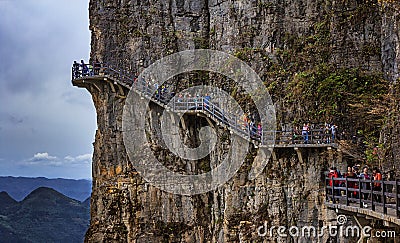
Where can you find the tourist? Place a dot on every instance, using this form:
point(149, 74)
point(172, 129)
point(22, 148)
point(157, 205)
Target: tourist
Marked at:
point(90, 69)
point(97, 67)
point(163, 89)
point(84, 68)
point(333, 131)
point(356, 170)
point(197, 100)
point(351, 184)
point(327, 133)
point(377, 176)
point(207, 99)
point(333, 173)
point(245, 121)
point(253, 128)
point(295, 135)
point(157, 88)
point(304, 132)
point(180, 98)
point(365, 185)
point(75, 70)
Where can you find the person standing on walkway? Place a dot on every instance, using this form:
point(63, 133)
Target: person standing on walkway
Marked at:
point(84, 68)
point(259, 129)
point(304, 132)
point(75, 70)
point(333, 131)
point(351, 184)
point(333, 182)
point(327, 135)
point(365, 185)
point(207, 99)
point(377, 185)
point(96, 66)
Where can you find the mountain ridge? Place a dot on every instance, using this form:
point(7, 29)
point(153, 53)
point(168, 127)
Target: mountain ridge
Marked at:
point(45, 215)
point(20, 187)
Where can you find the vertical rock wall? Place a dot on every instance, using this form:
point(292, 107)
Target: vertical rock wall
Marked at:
point(131, 34)
point(391, 67)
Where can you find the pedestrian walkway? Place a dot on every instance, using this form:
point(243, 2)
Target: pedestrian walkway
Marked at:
point(201, 104)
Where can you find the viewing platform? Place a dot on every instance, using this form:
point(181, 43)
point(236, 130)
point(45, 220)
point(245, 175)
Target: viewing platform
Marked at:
point(359, 198)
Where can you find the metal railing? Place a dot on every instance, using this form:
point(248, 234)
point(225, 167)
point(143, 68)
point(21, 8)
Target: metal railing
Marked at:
point(366, 194)
point(166, 97)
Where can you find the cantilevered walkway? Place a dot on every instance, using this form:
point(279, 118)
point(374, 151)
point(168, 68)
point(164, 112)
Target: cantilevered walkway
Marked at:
point(92, 74)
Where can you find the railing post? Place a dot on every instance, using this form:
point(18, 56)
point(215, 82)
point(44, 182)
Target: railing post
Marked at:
point(359, 192)
point(326, 188)
point(293, 134)
point(372, 193)
point(235, 122)
point(262, 137)
point(347, 192)
point(333, 189)
point(383, 189)
point(397, 199)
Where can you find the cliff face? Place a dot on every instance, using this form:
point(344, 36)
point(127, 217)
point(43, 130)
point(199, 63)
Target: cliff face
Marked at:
point(391, 67)
point(317, 44)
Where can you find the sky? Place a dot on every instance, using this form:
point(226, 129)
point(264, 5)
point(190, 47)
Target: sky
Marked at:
point(47, 126)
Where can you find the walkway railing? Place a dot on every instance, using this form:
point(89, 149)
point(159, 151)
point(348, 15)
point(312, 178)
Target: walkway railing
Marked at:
point(166, 97)
point(369, 194)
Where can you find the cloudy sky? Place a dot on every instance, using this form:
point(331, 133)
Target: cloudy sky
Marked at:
point(47, 126)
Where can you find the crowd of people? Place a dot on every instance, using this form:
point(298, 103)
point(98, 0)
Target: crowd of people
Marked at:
point(82, 69)
point(368, 181)
point(325, 134)
point(251, 125)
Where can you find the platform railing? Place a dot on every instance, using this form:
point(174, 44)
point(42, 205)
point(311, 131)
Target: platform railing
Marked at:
point(368, 194)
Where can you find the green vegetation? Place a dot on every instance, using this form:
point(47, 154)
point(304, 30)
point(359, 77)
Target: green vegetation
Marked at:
point(336, 92)
point(45, 215)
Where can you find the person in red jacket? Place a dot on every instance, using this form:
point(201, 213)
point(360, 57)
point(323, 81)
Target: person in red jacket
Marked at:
point(351, 184)
point(377, 176)
point(333, 173)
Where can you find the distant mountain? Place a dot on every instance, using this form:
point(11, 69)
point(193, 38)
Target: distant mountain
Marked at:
point(45, 215)
point(19, 187)
point(7, 203)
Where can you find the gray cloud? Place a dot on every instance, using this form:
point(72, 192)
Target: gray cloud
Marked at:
point(15, 120)
point(40, 110)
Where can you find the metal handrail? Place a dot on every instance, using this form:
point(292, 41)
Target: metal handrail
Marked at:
point(197, 104)
point(361, 192)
